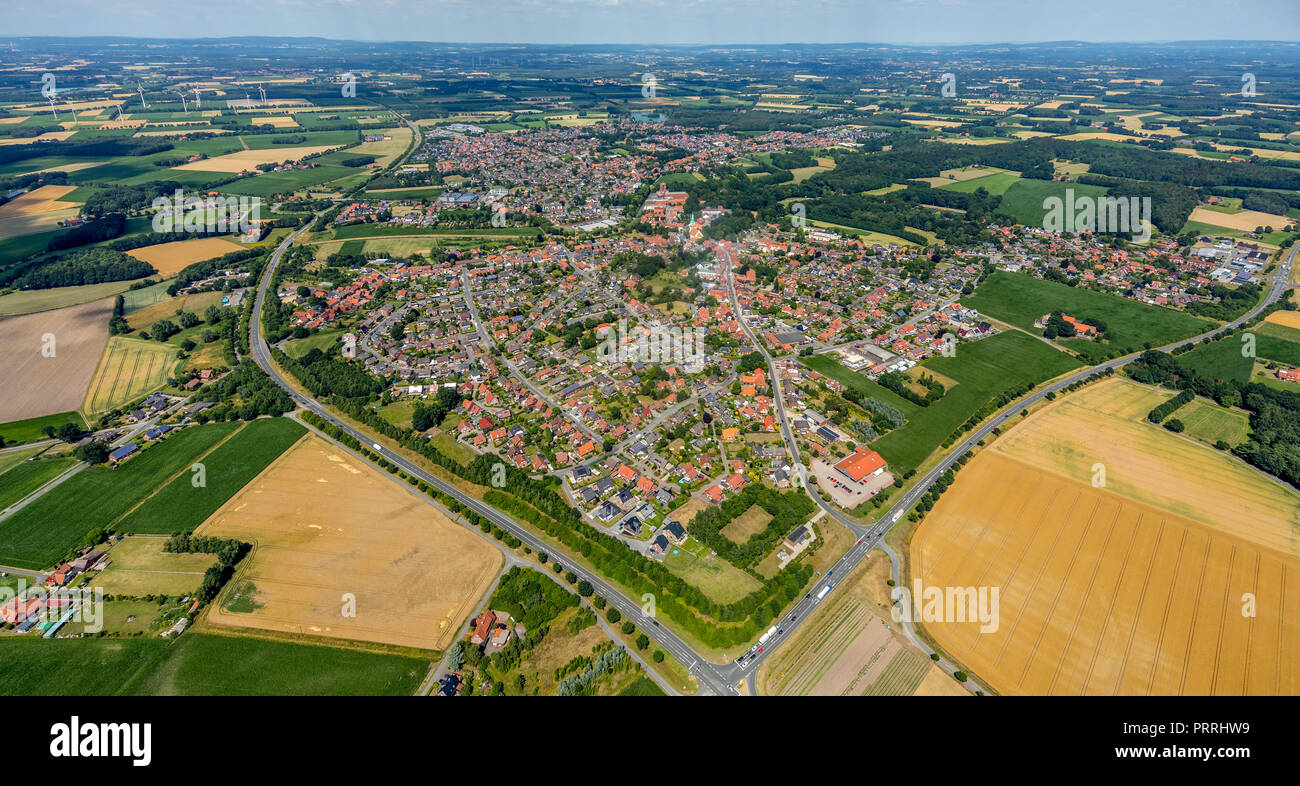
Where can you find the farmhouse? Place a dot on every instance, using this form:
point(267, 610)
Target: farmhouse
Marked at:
point(1289, 374)
point(122, 453)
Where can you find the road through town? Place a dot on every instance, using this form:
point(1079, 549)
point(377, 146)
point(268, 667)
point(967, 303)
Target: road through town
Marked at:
point(718, 679)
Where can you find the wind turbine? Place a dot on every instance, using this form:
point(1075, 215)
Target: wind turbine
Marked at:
point(262, 90)
point(52, 109)
point(181, 93)
point(197, 102)
point(119, 111)
point(248, 102)
point(140, 90)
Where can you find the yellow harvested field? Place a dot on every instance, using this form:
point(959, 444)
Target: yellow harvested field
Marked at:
point(978, 141)
point(129, 369)
point(1289, 319)
point(1099, 594)
point(16, 226)
point(50, 357)
point(1263, 152)
point(12, 121)
point(1106, 423)
point(1245, 221)
point(42, 200)
point(170, 258)
point(283, 121)
point(70, 167)
point(1030, 134)
point(325, 525)
point(386, 150)
point(932, 122)
point(1107, 135)
point(249, 159)
point(48, 136)
point(971, 172)
point(994, 106)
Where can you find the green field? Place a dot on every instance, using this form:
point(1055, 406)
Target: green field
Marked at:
point(1223, 360)
point(198, 665)
point(323, 340)
point(644, 686)
point(48, 529)
point(983, 370)
point(1211, 423)
point(12, 458)
point(710, 574)
point(77, 667)
point(28, 301)
point(207, 665)
point(140, 299)
point(273, 183)
point(995, 184)
point(1023, 201)
point(828, 366)
point(16, 432)
point(28, 476)
point(181, 507)
point(1020, 299)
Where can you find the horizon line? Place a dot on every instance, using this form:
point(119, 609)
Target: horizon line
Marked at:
point(1002, 42)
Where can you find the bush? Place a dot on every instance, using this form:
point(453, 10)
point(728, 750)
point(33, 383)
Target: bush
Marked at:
point(613, 616)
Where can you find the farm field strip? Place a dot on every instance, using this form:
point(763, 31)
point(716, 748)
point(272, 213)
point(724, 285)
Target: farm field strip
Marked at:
point(1100, 594)
point(44, 531)
point(180, 506)
point(199, 665)
point(130, 368)
point(21, 480)
point(55, 354)
point(414, 572)
point(1105, 423)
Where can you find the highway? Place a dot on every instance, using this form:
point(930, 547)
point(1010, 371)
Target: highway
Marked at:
point(721, 679)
